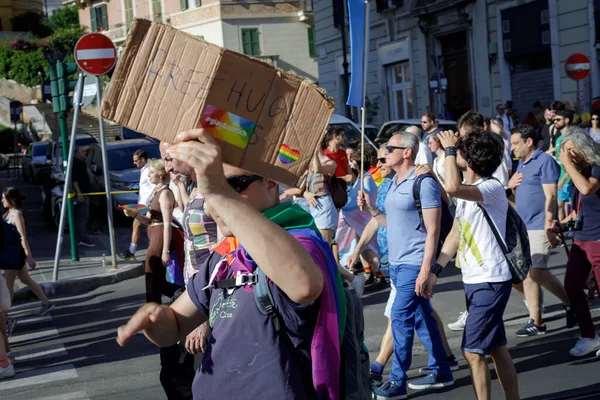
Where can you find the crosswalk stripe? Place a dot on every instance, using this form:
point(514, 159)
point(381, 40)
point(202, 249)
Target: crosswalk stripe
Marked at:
point(40, 376)
point(68, 396)
point(33, 320)
point(32, 335)
point(55, 350)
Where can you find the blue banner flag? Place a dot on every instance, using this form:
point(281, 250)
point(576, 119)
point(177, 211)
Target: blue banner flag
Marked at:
point(357, 11)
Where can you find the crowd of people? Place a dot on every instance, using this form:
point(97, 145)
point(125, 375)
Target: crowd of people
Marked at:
point(426, 199)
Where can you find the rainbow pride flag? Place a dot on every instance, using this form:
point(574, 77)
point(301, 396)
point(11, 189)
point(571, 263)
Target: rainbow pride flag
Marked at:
point(376, 174)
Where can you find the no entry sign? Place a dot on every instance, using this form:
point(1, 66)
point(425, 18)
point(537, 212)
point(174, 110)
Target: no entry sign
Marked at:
point(577, 66)
point(95, 54)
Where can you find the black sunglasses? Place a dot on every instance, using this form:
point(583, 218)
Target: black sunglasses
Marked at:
point(241, 182)
point(390, 149)
point(381, 160)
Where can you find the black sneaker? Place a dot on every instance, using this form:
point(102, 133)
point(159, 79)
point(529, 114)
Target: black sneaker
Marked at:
point(379, 283)
point(127, 256)
point(571, 318)
point(531, 329)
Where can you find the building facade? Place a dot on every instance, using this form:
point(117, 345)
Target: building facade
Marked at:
point(12, 8)
point(479, 52)
point(279, 32)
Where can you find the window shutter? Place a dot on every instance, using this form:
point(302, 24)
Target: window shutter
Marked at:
point(104, 17)
point(93, 19)
point(246, 42)
point(184, 5)
point(312, 51)
point(255, 43)
point(198, 3)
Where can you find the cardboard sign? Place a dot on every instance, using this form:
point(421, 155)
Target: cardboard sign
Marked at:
point(267, 121)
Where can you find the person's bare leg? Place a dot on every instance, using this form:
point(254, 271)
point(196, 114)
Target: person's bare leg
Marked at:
point(11, 275)
point(370, 258)
point(545, 278)
point(507, 374)
point(4, 346)
point(480, 373)
point(327, 235)
point(336, 254)
point(440, 325)
point(387, 345)
point(519, 288)
point(135, 231)
point(32, 285)
point(532, 295)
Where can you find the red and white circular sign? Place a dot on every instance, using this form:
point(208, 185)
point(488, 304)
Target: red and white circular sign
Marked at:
point(95, 54)
point(578, 66)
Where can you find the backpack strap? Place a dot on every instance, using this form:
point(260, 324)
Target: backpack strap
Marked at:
point(264, 300)
point(493, 228)
point(417, 198)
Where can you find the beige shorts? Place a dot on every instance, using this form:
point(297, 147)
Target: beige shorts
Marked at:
point(540, 249)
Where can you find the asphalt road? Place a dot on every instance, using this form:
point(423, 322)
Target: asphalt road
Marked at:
point(73, 354)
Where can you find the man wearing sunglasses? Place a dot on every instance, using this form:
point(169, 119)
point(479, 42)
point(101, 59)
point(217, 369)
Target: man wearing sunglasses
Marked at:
point(245, 345)
point(411, 252)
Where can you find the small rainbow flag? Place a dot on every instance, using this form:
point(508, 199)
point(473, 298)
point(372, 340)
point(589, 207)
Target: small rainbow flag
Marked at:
point(376, 174)
point(139, 208)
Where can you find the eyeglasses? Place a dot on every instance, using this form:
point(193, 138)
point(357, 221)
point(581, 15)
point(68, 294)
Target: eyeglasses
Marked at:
point(381, 160)
point(390, 149)
point(242, 182)
point(595, 119)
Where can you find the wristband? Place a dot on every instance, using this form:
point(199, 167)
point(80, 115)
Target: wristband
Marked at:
point(437, 270)
point(450, 151)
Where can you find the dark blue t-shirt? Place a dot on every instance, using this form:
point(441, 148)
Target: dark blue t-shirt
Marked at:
point(530, 199)
point(246, 358)
point(590, 210)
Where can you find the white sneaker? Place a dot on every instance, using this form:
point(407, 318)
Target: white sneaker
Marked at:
point(459, 325)
point(585, 346)
point(7, 372)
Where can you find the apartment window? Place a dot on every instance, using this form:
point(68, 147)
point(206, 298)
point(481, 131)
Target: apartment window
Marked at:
point(198, 3)
point(99, 18)
point(250, 43)
point(156, 10)
point(312, 50)
point(184, 5)
point(128, 5)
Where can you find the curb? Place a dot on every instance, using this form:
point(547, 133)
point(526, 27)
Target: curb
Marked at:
point(72, 287)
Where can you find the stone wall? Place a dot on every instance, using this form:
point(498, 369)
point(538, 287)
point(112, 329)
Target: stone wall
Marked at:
point(15, 91)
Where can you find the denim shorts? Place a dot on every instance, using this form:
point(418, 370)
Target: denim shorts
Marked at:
point(484, 329)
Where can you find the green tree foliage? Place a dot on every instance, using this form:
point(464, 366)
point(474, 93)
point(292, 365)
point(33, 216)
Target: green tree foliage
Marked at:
point(65, 18)
point(24, 67)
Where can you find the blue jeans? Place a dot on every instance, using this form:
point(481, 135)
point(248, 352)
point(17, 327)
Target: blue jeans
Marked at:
point(408, 312)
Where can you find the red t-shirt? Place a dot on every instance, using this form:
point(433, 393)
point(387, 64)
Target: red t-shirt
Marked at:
point(341, 160)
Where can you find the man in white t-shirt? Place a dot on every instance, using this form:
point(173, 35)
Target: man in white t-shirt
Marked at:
point(140, 160)
point(424, 155)
point(486, 274)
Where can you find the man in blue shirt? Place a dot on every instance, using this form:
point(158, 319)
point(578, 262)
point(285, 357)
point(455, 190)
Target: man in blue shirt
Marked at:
point(411, 254)
point(535, 186)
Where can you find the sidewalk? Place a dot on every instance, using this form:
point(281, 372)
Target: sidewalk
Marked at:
point(74, 277)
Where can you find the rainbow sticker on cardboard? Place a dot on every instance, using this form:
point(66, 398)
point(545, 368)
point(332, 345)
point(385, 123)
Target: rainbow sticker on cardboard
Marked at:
point(287, 155)
point(226, 126)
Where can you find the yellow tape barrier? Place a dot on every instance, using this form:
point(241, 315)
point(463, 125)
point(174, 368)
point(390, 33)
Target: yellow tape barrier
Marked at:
point(71, 195)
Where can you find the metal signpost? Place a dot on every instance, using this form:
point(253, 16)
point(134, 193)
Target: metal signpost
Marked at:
point(96, 54)
point(577, 67)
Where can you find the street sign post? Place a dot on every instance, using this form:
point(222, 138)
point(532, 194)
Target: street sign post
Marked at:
point(578, 67)
point(96, 55)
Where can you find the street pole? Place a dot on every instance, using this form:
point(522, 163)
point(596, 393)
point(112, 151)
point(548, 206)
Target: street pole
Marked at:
point(68, 163)
point(107, 186)
point(578, 102)
point(67, 160)
point(15, 160)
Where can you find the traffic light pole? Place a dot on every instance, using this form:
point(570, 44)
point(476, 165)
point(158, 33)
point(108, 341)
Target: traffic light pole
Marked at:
point(68, 163)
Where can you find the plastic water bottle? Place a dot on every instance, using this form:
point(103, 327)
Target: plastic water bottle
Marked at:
point(103, 261)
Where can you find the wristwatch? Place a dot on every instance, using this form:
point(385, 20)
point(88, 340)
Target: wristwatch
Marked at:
point(450, 151)
point(437, 270)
